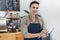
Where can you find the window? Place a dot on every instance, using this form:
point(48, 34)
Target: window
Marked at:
point(12, 5)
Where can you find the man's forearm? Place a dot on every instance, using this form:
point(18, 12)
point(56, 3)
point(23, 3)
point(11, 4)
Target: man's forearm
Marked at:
point(30, 35)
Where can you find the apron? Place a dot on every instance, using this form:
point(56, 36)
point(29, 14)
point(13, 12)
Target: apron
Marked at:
point(34, 28)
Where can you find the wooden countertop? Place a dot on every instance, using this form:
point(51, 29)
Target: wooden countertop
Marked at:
point(11, 36)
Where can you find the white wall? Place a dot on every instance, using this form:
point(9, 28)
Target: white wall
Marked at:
point(50, 10)
point(2, 13)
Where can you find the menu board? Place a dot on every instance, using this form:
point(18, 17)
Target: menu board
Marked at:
point(12, 5)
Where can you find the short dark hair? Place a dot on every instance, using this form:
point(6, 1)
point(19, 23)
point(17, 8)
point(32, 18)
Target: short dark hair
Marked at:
point(34, 2)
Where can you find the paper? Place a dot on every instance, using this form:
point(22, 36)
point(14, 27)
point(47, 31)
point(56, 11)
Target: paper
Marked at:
point(50, 30)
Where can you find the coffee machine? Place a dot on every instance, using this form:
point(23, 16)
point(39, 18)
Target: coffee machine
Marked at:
point(3, 26)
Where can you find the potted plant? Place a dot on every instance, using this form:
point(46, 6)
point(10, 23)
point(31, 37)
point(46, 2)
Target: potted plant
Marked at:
point(28, 12)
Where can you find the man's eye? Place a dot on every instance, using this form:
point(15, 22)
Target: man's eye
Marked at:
point(37, 8)
point(33, 7)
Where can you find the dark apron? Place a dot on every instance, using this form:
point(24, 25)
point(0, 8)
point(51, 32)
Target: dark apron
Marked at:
point(34, 28)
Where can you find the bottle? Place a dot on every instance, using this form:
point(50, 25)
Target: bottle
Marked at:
point(14, 28)
point(11, 14)
point(17, 15)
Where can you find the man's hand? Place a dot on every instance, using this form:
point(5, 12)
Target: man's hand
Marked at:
point(44, 33)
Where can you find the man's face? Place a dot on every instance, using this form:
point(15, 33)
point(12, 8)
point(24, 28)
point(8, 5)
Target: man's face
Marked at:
point(34, 8)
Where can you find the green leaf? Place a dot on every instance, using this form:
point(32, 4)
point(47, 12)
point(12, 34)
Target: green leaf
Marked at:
point(38, 15)
point(28, 12)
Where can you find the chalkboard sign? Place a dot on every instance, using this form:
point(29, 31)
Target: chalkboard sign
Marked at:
point(12, 5)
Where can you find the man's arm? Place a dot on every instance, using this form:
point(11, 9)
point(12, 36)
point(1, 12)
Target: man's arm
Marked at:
point(24, 30)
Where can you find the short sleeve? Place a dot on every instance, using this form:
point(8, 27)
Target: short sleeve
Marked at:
point(41, 21)
point(23, 26)
point(43, 24)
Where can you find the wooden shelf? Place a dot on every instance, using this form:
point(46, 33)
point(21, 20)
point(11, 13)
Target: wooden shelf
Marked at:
point(14, 18)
